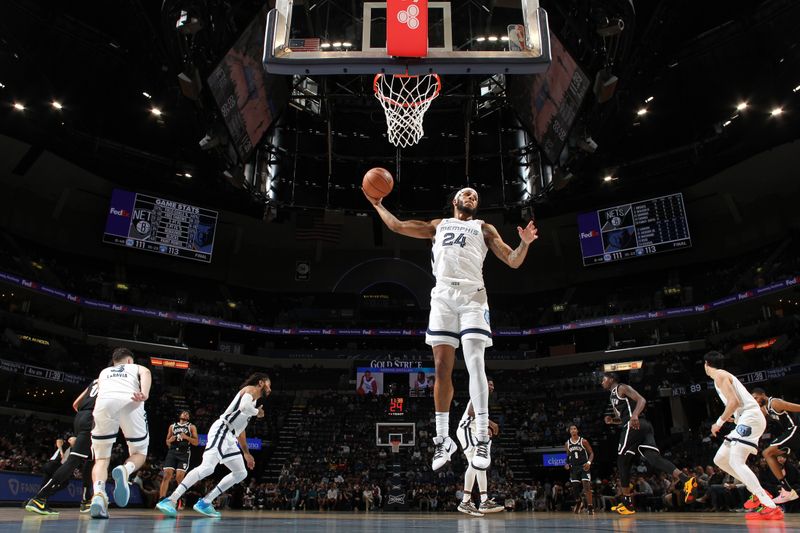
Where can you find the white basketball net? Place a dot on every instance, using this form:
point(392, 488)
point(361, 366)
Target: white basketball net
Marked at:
point(404, 100)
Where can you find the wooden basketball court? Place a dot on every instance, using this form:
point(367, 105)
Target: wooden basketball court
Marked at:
point(139, 521)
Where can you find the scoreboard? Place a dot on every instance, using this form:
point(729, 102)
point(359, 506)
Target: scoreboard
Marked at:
point(634, 230)
point(145, 222)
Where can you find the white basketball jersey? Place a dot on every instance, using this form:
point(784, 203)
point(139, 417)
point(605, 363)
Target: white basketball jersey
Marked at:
point(459, 250)
point(745, 398)
point(239, 412)
point(119, 381)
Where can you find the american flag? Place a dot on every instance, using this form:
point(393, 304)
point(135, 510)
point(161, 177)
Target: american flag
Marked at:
point(304, 45)
point(314, 228)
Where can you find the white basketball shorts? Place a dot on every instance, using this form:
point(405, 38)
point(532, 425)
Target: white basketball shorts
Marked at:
point(749, 427)
point(222, 444)
point(113, 414)
point(457, 313)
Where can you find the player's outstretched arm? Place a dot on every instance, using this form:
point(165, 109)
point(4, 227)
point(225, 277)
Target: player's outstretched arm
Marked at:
point(511, 257)
point(419, 229)
point(783, 405)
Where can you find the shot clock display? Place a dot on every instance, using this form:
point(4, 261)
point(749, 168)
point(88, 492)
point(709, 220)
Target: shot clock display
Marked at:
point(396, 407)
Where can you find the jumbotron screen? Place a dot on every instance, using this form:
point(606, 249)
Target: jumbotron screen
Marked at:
point(634, 230)
point(145, 222)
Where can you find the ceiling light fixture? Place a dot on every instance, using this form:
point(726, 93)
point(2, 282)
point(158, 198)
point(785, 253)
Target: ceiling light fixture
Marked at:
point(480, 39)
point(608, 178)
point(776, 111)
point(741, 106)
point(642, 111)
point(492, 38)
point(726, 123)
point(347, 44)
point(57, 105)
point(156, 112)
point(337, 44)
point(648, 99)
point(793, 90)
point(504, 38)
point(325, 45)
point(146, 94)
point(19, 107)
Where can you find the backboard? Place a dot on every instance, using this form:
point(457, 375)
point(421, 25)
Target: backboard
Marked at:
point(464, 37)
point(386, 431)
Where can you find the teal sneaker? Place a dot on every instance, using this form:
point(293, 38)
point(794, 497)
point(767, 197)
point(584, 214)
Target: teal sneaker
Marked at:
point(122, 493)
point(206, 508)
point(167, 507)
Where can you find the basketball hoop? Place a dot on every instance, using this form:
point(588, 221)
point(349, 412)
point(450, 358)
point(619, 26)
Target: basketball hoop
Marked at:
point(395, 444)
point(404, 99)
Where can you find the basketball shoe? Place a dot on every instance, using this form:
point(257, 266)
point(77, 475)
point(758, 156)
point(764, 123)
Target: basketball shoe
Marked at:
point(206, 508)
point(483, 457)
point(469, 508)
point(99, 506)
point(444, 447)
point(167, 507)
point(786, 496)
point(765, 513)
point(490, 506)
point(38, 506)
point(753, 502)
point(689, 489)
point(122, 491)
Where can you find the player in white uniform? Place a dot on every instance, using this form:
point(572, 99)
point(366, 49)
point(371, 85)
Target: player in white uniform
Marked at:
point(459, 308)
point(225, 433)
point(743, 440)
point(122, 390)
point(466, 436)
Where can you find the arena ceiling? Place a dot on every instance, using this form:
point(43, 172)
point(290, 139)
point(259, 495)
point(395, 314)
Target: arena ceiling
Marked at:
point(109, 64)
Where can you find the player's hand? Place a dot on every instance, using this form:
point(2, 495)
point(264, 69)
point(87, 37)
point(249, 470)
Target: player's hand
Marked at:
point(586, 467)
point(260, 413)
point(248, 459)
point(59, 443)
point(529, 234)
point(139, 397)
point(634, 423)
point(374, 201)
point(608, 420)
point(494, 429)
point(715, 429)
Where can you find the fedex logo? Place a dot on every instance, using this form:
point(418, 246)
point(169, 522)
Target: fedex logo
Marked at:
point(590, 234)
point(119, 212)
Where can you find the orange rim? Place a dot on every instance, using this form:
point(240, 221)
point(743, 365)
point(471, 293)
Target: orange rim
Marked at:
point(406, 104)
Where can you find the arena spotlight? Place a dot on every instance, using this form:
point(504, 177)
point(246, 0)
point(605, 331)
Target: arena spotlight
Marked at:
point(325, 45)
point(337, 44)
point(641, 112)
point(793, 90)
point(19, 106)
point(741, 106)
point(156, 112)
point(57, 105)
point(347, 45)
point(480, 39)
point(608, 177)
point(492, 38)
point(146, 95)
point(648, 99)
point(776, 111)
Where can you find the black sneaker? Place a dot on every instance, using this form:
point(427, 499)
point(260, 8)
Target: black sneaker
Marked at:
point(85, 505)
point(35, 505)
point(469, 508)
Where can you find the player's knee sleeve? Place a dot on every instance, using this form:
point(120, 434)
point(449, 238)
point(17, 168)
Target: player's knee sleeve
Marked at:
point(101, 448)
point(206, 468)
point(478, 384)
point(723, 459)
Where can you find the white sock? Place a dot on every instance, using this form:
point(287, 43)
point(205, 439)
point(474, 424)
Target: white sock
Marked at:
point(99, 486)
point(469, 482)
point(442, 424)
point(482, 484)
point(130, 467)
point(484, 497)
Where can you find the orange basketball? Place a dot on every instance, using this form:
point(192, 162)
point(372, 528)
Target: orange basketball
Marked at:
point(377, 182)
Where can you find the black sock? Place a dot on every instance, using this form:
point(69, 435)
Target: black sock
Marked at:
point(785, 485)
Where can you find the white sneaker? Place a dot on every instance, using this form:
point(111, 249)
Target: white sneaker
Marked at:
point(785, 496)
point(99, 506)
point(122, 491)
point(444, 447)
point(469, 508)
point(483, 455)
point(490, 506)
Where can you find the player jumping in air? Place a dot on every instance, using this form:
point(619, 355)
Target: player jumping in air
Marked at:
point(460, 309)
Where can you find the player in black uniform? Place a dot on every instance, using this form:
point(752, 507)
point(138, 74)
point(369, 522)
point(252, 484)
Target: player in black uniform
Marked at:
point(789, 440)
point(579, 463)
point(637, 437)
point(80, 455)
point(180, 436)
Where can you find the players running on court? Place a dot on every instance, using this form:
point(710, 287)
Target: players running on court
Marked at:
point(466, 436)
point(636, 437)
point(223, 436)
point(742, 441)
point(579, 463)
point(787, 442)
point(80, 454)
point(460, 309)
point(122, 390)
point(181, 436)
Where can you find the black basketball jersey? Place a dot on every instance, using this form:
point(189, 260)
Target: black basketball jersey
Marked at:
point(183, 430)
point(784, 418)
point(577, 453)
point(87, 403)
point(622, 406)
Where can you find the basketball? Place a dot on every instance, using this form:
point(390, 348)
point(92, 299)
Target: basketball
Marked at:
point(377, 182)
